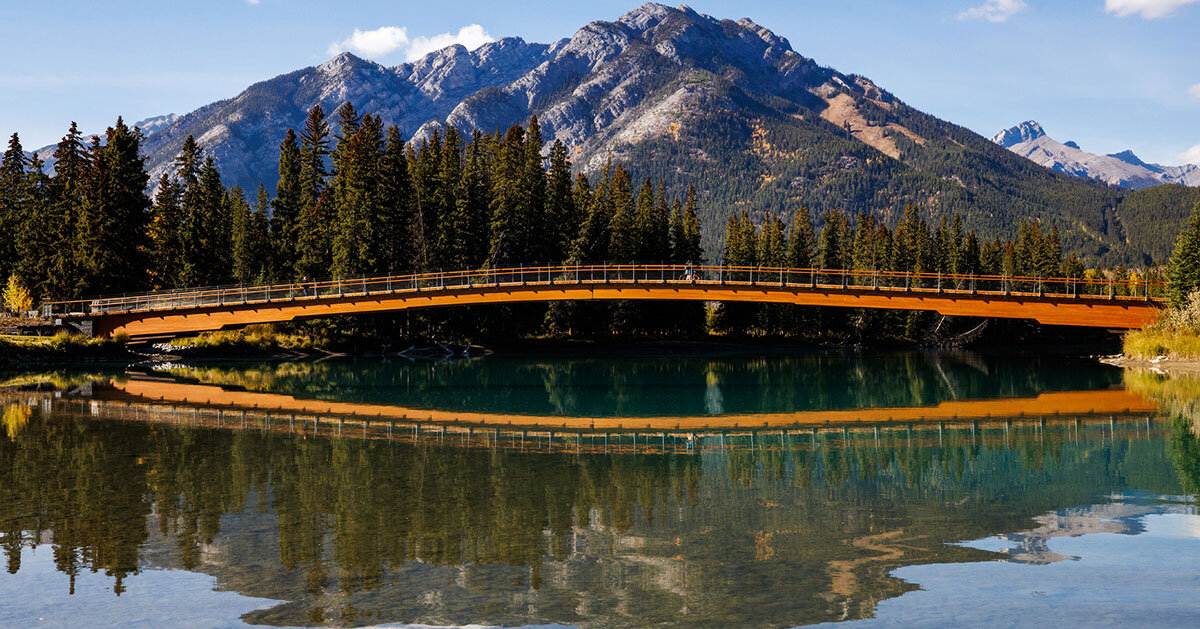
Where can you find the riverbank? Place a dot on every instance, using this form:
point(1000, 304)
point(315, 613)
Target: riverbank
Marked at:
point(62, 348)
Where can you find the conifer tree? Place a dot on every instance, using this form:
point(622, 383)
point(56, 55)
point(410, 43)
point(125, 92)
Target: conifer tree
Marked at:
point(541, 234)
point(425, 167)
point(166, 232)
point(592, 244)
point(510, 228)
point(67, 188)
point(1183, 271)
point(37, 236)
point(624, 243)
point(285, 215)
point(242, 238)
point(314, 223)
point(393, 241)
point(260, 236)
point(14, 199)
point(453, 226)
point(111, 240)
point(355, 193)
point(560, 202)
point(801, 241)
point(471, 210)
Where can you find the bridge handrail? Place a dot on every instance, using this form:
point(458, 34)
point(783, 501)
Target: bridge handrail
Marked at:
point(616, 272)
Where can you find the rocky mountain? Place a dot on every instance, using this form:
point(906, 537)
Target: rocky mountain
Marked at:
point(689, 99)
point(1124, 169)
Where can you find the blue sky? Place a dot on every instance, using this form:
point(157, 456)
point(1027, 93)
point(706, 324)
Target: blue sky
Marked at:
point(1109, 74)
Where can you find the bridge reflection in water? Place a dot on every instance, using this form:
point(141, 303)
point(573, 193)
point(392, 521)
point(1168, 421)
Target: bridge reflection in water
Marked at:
point(163, 400)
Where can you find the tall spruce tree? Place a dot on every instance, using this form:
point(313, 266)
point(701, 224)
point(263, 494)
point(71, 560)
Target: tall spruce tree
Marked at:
point(67, 188)
point(560, 203)
point(801, 241)
point(1183, 271)
point(510, 226)
point(111, 241)
point(393, 240)
point(315, 221)
point(14, 200)
point(36, 238)
point(166, 235)
point(285, 215)
point(241, 237)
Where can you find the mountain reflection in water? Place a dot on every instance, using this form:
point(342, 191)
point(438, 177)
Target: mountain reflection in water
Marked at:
point(723, 528)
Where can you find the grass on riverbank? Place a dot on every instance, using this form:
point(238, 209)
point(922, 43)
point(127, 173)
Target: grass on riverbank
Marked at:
point(254, 339)
point(63, 346)
point(1176, 334)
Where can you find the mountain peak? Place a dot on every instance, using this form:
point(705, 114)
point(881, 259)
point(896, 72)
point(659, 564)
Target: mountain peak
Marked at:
point(343, 62)
point(1128, 157)
point(1024, 132)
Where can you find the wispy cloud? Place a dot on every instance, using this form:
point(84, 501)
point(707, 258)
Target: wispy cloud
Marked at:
point(1148, 9)
point(994, 10)
point(386, 40)
point(1191, 156)
point(1194, 91)
point(252, 2)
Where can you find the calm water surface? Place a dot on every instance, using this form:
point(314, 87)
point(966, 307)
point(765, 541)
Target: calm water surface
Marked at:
point(200, 495)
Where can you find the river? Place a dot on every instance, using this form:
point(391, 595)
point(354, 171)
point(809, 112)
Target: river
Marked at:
point(631, 490)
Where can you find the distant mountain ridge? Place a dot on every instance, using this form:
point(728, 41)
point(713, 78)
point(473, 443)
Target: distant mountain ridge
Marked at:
point(1124, 169)
point(688, 99)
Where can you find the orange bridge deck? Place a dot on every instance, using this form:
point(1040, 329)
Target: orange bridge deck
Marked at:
point(1096, 303)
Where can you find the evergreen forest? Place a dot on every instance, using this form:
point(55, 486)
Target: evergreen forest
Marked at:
point(355, 198)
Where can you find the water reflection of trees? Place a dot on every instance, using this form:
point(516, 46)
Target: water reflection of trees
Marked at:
point(651, 386)
point(1179, 397)
point(761, 535)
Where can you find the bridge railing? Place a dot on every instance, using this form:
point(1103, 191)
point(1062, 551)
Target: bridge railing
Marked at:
point(615, 273)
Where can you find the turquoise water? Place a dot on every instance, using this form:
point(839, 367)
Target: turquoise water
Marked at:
point(115, 510)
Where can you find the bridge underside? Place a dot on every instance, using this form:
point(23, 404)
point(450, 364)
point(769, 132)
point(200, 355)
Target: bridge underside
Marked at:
point(1099, 313)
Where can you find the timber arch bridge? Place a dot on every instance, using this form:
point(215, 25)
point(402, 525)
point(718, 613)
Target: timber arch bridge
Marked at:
point(1100, 303)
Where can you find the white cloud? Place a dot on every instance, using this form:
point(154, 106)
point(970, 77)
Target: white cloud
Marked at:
point(1194, 91)
point(1191, 156)
point(994, 10)
point(1149, 9)
point(252, 2)
point(388, 39)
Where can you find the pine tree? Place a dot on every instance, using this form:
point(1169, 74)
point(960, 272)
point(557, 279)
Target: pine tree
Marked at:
point(471, 210)
point(242, 238)
point(67, 188)
point(38, 232)
point(425, 167)
point(624, 244)
point(286, 207)
point(166, 231)
point(802, 241)
point(592, 244)
point(562, 214)
point(355, 193)
point(111, 240)
point(453, 226)
point(510, 229)
point(313, 250)
point(393, 241)
point(1183, 270)
point(14, 199)
point(542, 235)
point(260, 236)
